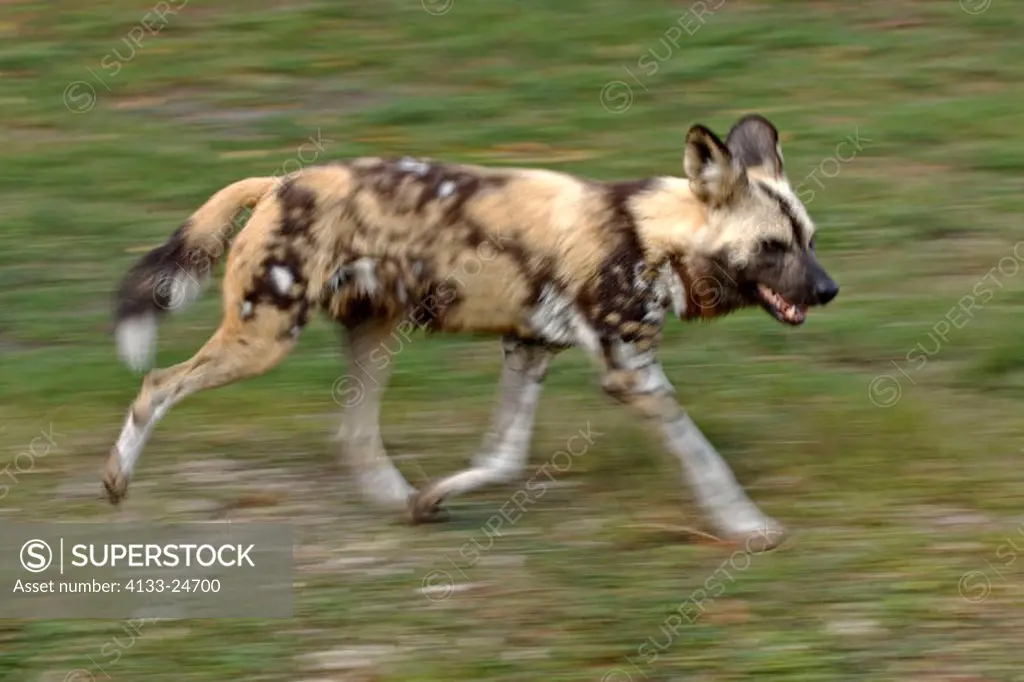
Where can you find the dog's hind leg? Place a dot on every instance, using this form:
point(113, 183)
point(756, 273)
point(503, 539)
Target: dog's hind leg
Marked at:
point(636, 379)
point(505, 450)
point(237, 350)
point(369, 347)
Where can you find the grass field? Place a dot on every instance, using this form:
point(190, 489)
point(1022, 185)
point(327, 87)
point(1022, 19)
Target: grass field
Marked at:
point(886, 433)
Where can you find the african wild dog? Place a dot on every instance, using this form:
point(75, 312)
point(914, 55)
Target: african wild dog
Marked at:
point(572, 262)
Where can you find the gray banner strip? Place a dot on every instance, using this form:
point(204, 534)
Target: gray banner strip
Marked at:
point(113, 570)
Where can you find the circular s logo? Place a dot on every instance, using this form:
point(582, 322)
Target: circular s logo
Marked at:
point(974, 587)
point(79, 97)
point(616, 97)
point(884, 390)
point(437, 7)
point(438, 585)
point(348, 391)
point(975, 6)
point(79, 675)
point(36, 556)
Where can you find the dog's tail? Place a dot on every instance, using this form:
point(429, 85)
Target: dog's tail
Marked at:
point(173, 274)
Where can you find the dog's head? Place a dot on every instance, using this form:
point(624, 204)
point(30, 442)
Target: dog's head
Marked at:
point(757, 243)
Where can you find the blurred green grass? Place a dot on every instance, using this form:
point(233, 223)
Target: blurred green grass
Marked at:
point(890, 505)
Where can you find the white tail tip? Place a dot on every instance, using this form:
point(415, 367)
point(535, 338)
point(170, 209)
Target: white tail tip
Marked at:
point(136, 341)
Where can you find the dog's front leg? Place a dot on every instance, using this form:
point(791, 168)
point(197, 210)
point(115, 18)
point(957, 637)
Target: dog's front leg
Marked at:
point(636, 379)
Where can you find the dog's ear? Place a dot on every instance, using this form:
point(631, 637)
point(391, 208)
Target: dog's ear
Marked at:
point(754, 143)
point(713, 173)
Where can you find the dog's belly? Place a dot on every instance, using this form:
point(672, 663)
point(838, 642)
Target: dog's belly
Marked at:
point(492, 298)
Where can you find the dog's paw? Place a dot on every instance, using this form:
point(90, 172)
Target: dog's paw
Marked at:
point(115, 483)
point(425, 506)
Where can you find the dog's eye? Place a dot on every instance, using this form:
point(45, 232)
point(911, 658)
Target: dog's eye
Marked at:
point(811, 245)
point(772, 246)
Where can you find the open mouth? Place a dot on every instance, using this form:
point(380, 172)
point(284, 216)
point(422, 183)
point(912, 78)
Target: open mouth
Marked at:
point(780, 308)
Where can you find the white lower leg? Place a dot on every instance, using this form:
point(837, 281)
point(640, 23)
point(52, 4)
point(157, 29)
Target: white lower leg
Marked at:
point(711, 479)
point(225, 358)
point(378, 479)
point(134, 437)
point(506, 447)
point(637, 378)
point(505, 460)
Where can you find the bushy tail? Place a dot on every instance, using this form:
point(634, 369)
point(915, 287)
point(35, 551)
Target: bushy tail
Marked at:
point(172, 275)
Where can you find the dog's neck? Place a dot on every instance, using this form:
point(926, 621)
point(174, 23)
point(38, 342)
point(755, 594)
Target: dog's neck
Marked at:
point(671, 224)
point(669, 219)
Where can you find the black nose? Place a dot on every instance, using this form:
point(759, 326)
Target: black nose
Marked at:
point(826, 290)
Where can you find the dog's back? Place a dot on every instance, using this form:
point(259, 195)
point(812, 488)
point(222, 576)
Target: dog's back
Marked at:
point(450, 247)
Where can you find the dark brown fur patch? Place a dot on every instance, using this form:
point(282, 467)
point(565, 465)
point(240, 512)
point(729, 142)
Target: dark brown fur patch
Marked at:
point(621, 193)
point(794, 222)
point(412, 185)
point(358, 311)
point(298, 208)
point(264, 290)
point(622, 293)
point(712, 290)
point(440, 297)
point(407, 288)
point(381, 179)
point(431, 183)
point(467, 186)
